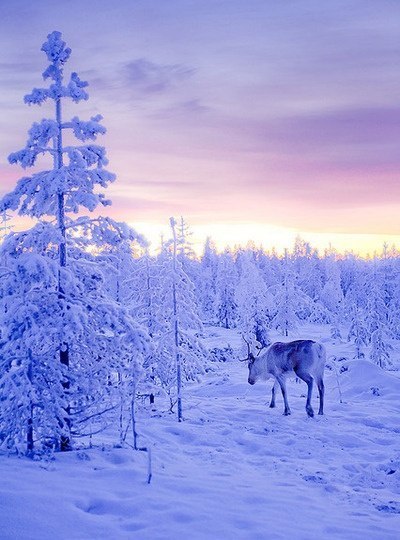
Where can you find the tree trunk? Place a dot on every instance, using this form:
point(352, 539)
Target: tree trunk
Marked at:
point(29, 430)
point(65, 440)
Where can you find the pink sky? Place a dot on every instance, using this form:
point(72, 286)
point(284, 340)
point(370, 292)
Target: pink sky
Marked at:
point(227, 112)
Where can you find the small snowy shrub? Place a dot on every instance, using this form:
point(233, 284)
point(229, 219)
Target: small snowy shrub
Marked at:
point(222, 354)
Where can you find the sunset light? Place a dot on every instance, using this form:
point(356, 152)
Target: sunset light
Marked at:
point(267, 237)
point(255, 123)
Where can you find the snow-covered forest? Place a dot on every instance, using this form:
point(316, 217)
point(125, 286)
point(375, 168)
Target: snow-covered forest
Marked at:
point(118, 360)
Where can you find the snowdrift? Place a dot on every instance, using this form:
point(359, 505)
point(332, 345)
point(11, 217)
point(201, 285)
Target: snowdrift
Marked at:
point(361, 378)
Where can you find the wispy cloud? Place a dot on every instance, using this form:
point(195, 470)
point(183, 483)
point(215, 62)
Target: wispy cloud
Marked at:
point(183, 109)
point(147, 77)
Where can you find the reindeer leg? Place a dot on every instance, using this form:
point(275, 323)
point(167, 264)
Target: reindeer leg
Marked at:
point(272, 404)
point(321, 389)
point(306, 377)
point(282, 384)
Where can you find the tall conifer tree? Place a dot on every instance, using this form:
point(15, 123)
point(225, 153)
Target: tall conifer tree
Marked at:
point(54, 302)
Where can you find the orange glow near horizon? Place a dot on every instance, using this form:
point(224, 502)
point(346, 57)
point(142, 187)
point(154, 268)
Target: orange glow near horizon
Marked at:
point(282, 123)
point(268, 237)
point(265, 236)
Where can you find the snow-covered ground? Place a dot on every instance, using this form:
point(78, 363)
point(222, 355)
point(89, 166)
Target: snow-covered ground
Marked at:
point(234, 469)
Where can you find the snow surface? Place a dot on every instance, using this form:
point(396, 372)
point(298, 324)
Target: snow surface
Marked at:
point(234, 469)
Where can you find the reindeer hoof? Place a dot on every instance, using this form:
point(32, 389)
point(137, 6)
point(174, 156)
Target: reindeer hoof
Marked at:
point(287, 413)
point(321, 413)
point(272, 405)
point(310, 413)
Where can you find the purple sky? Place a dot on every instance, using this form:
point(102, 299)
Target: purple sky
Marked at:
point(265, 112)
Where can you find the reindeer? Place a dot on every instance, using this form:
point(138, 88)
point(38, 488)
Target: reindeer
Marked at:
point(304, 357)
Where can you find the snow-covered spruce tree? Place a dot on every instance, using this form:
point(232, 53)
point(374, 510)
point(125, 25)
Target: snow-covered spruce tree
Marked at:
point(306, 266)
point(60, 330)
point(187, 256)
point(207, 283)
point(380, 349)
point(389, 260)
point(390, 267)
point(253, 300)
point(27, 334)
point(289, 300)
point(353, 272)
point(226, 281)
point(377, 317)
point(332, 296)
point(118, 253)
point(394, 305)
point(358, 330)
point(143, 302)
point(101, 336)
point(180, 355)
point(353, 280)
point(377, 313)
point(120, 258)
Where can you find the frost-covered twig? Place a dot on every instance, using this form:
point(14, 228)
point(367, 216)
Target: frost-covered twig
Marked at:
point(94, 415)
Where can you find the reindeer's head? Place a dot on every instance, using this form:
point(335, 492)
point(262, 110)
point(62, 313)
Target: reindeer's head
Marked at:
point(252, 364)
point(255, 369)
